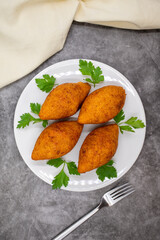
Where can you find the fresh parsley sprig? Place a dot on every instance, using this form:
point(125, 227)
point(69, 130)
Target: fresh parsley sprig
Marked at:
point(129, 125)
point(26, 118)
point(120, 117)
point(87, 68)
point(61, 179)
point(35, 108)
point(107, 170)
point(46, 83)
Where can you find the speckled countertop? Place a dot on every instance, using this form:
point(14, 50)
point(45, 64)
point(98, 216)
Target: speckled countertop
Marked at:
point(29, 209)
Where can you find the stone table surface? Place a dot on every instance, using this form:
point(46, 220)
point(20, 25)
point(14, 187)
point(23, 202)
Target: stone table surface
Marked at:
point(29, 209)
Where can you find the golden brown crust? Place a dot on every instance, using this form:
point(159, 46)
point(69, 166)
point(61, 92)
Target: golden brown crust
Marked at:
point(102, 105)
point(57, 140)
point(64, 100)
point(98, 148)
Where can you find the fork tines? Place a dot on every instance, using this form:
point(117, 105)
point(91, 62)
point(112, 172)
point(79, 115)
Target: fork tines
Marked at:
point(122, 191)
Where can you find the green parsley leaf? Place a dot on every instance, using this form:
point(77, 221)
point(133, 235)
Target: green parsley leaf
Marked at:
point(35, 107)
point(135, 123)
point(88, 80)
point(72, 168)
point(110, 162)
point(44, 123)
point(131, 123)
point(37, 120)
point(126, 128)
point(46, 83)
point(55, 162)
point(120, 116)
point(87, 68)
point(60, 180)
point(26, 118)
point(106, 170)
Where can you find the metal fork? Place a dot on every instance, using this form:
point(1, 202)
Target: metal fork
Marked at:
point(109, 198)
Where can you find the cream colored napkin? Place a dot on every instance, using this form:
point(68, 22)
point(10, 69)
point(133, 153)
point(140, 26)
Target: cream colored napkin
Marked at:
point(129, 14)
point(33, 30)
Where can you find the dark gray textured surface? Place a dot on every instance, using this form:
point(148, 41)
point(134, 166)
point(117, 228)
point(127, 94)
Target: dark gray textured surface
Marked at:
point(29, 209)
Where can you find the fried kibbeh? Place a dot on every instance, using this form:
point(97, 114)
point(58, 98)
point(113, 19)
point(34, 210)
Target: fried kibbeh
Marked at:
point(98, 148)
point(57, 140)
point(64, 100)
point(102, 105)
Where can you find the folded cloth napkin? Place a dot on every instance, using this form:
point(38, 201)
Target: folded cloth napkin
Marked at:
point(33, 30)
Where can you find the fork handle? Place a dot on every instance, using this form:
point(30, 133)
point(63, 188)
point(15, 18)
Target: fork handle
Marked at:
point(76, 224)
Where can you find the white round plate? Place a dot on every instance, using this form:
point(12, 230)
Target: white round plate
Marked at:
point(129, 144)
